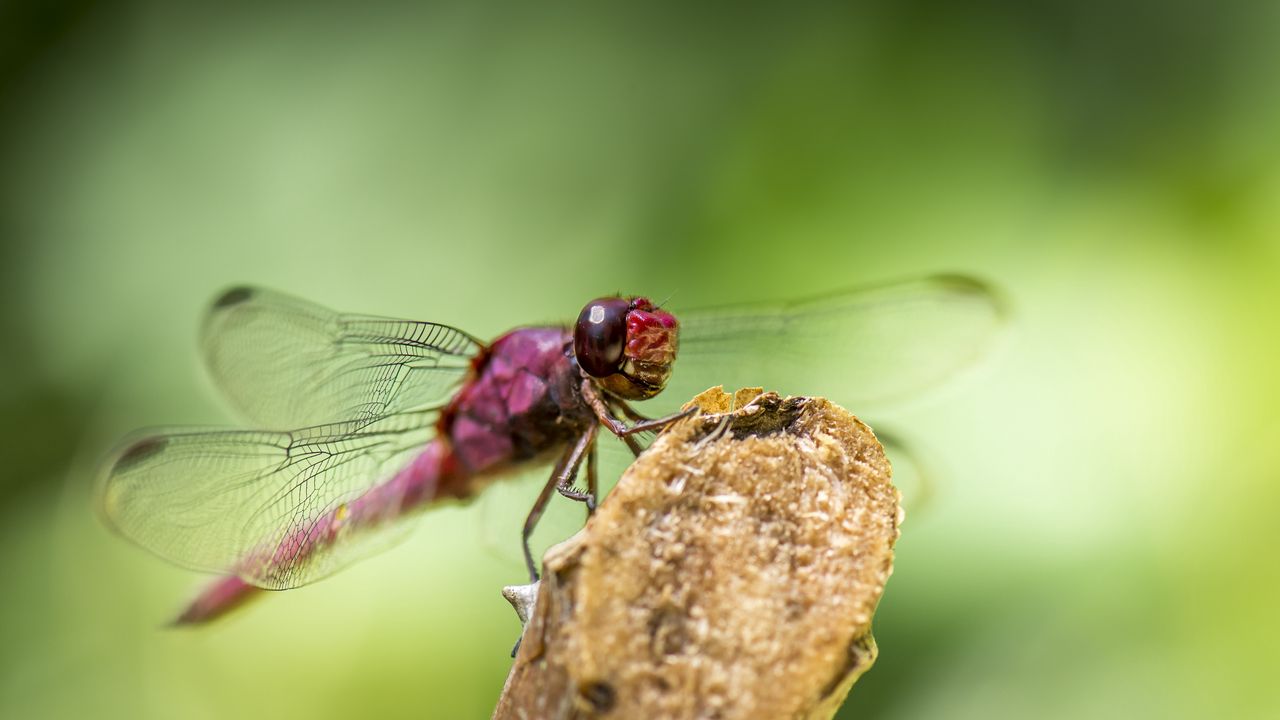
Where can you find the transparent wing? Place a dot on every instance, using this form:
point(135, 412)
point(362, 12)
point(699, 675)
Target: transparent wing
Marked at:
point(858, 347)
point(914, 473)
point(285, 362)
point(279, 509)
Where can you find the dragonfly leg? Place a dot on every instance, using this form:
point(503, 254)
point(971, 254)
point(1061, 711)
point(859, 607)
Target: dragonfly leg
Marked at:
point(631, 443)
point(627, 410)
point(535, 513)
point(592, 481)
point(619, 428)
point(585, 446)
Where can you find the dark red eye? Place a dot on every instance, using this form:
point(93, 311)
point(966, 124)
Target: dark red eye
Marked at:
point(600, 335)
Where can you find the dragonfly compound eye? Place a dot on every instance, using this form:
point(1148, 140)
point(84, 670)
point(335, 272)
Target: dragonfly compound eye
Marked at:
point(600, 336)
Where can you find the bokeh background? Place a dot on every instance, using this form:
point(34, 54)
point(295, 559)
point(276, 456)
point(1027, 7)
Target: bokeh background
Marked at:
point(1102, 537)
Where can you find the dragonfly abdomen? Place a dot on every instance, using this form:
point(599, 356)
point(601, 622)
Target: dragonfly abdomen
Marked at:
point(432, 475)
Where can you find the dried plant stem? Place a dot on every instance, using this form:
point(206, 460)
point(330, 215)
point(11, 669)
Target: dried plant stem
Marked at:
point(732, 573)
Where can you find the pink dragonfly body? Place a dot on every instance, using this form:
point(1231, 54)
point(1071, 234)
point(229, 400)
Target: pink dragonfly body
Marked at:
point(522, 402)
point(398, 415)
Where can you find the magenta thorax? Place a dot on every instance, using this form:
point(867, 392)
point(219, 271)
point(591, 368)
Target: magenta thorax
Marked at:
point(522, 401)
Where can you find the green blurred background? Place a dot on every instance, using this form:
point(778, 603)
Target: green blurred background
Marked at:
point(1102, 541)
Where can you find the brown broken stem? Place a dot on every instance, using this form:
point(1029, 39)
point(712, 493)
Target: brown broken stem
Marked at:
point(732, 573)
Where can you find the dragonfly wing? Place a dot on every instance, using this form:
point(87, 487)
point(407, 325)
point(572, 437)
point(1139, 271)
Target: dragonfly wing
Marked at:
point(861, 346)
point(284, 362)
point(280, 509)
point(914, 473)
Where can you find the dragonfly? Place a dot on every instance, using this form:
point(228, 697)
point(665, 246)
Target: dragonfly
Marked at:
point(365, 421)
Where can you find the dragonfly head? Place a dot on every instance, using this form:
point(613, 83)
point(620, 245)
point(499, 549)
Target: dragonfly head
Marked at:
point(627, 344)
